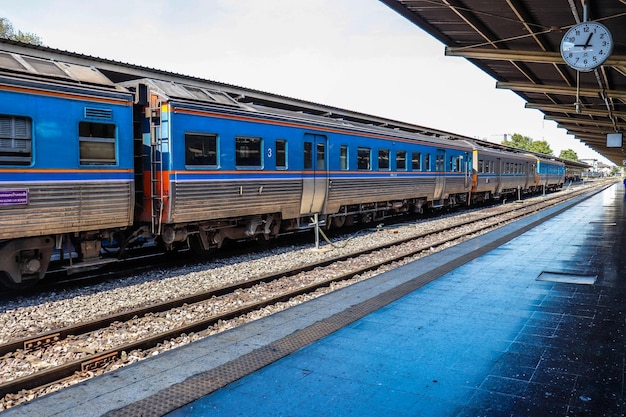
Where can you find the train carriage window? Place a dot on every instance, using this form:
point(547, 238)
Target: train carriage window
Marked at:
point(15, 140)
point(321, 160)
point(440, 163)
point(308, 155)
point(200, 150)
point(427, 166)
point(248, 152)
point(455, 163)
point(281, 154)
point(364, 159)
point(383, 159)
point(343, 157)
point(416, 161)
point(401, 161)
point(97, 142)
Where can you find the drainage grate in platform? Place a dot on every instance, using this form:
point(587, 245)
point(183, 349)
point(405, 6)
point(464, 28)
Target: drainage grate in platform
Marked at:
point(567, 278)
point(604, 223)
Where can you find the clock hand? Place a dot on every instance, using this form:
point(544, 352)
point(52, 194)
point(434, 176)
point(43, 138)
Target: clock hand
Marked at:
point(586, 44)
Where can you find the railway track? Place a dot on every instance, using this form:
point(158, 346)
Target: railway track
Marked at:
point(265, 290)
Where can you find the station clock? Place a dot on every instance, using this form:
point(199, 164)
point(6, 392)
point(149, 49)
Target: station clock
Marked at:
point(586, 46)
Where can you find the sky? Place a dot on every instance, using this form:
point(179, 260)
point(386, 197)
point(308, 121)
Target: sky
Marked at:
point(357, 55)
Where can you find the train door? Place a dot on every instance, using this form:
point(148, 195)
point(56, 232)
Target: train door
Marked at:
point(315, 176)
point(499, 178)
point(530, 175)
point(440, 177)
point(467, 169)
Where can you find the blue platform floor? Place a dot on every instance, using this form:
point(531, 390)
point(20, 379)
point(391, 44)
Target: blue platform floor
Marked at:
point(487, 339)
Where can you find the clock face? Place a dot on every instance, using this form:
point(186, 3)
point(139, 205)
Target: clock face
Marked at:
point(586, 46)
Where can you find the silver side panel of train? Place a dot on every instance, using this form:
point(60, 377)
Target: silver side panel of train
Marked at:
point(193, 201)
point(349, 191)
point(56, 208)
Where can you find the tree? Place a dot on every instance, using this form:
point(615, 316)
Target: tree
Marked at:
point(568, 154)
point(518, 141)
point(540, 146)
point(525, 142)
point(616, 170)
point(7, 32)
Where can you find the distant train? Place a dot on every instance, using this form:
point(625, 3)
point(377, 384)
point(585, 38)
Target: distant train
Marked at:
point(88, 164)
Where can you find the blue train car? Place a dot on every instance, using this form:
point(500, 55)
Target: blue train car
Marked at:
point(550, 173)
point(66, 162)
point(220, 169)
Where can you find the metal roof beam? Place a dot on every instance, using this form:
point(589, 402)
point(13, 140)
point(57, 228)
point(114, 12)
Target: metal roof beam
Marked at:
point(571, 110)
point(524, 17)
point(519, 55)
point(552, 89)
point(471, 20)
point(590, 137)
point(576, 128)
point(580, 121)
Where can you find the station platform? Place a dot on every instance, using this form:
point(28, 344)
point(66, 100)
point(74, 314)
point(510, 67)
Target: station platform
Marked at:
point(527, 320)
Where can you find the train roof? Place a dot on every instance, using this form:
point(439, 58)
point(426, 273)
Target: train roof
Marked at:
point(31, 67)
point(209, 97)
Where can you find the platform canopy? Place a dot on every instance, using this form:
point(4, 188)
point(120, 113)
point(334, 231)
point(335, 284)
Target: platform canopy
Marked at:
point(518, 43)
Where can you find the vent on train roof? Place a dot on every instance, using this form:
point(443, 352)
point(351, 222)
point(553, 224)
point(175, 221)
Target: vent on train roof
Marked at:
point(100, 114)
point(45, 67)
point(9, 62)
point(209, 95)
